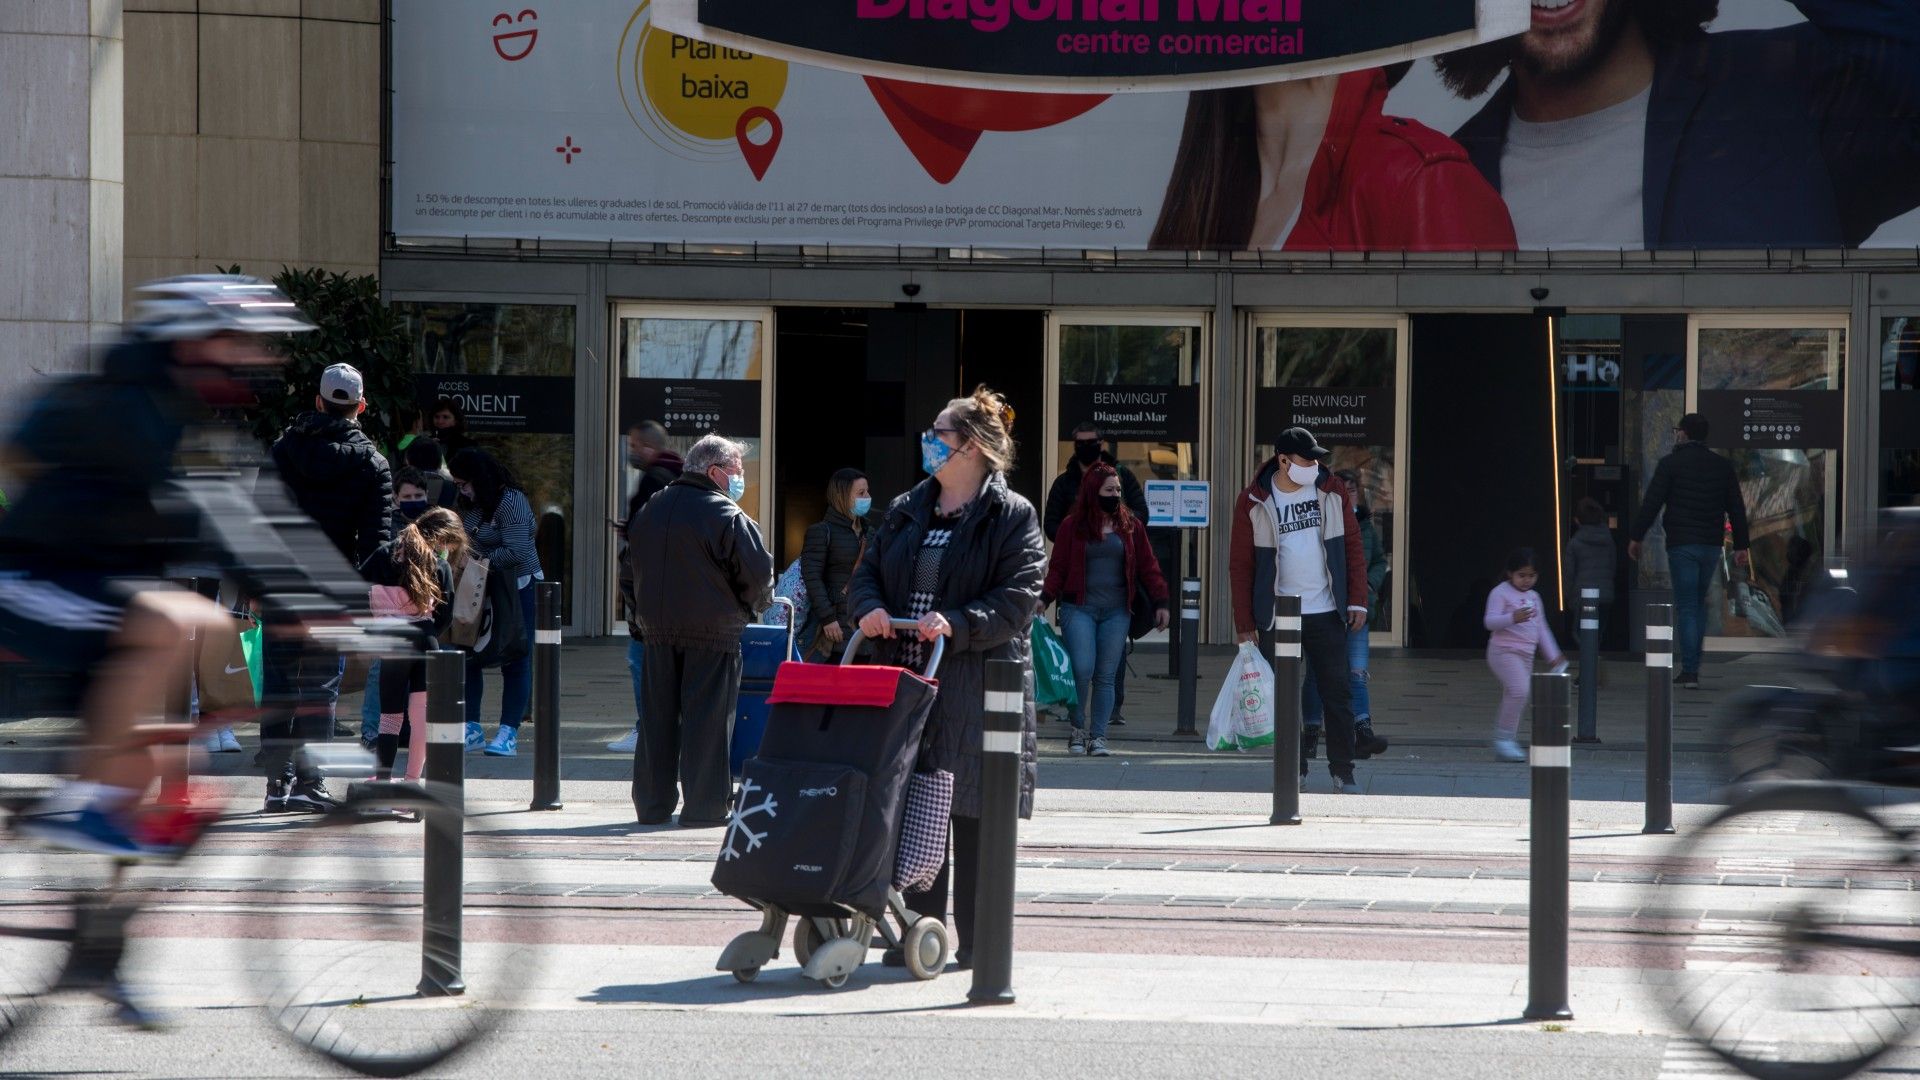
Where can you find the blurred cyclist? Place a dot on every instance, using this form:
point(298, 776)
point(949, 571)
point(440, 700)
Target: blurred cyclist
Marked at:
point(95, 524)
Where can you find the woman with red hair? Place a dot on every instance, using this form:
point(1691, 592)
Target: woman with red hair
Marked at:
point(1101, 562)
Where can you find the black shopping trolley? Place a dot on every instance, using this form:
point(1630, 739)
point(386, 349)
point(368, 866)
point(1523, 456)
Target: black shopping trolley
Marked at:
point(815, 828)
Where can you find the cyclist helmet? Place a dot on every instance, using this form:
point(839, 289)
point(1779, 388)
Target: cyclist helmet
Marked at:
point(202, 305)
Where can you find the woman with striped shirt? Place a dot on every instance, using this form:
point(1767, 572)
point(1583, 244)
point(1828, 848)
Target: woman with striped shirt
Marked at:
point(499, 522)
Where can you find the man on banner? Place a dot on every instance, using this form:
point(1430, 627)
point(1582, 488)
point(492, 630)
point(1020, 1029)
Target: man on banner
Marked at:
point(1625, 125)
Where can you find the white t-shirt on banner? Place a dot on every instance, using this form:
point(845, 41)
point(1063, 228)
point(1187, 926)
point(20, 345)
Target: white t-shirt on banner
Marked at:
point(1301, 551)
point(1578, 183)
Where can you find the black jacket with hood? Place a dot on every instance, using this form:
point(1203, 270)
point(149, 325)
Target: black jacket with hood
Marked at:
point(701, 570)
point(1700, 494)
point(666, 468)
point(832, 550)
point(990, 582)
point(1065, 492)
point(340, 479)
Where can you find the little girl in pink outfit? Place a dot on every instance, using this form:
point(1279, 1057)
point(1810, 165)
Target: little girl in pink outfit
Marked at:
point(1517, 619)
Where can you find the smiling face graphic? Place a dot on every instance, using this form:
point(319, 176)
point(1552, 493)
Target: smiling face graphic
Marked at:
point(514, 44)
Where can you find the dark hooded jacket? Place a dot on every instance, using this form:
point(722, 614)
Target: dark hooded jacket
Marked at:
point(340, 479)
point(703, 571)
point(832, 550)
point(989, 589)
point(1699, 493)
point(666, 468)
point(1065, 492)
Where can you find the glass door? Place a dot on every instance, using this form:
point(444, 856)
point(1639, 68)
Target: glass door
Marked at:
point(1770, 388)
point(1136, 378)
point(1899, 411)
point(1342, 378)
point(695, 372)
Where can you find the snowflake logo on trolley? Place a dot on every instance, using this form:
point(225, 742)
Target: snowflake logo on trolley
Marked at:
point(737, 824)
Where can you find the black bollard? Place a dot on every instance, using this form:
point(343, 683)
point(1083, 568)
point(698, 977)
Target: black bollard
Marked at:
point(445, 875)
point(1551, 758)
point(1002, 742)
point(1188, 639)
point(546, 696)
point(1659, 719)
point(1589, 667)
point(1287, 678)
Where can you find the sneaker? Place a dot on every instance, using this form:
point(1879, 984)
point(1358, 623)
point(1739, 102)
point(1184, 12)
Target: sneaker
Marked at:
point(1077, 742)
point(312, 797)
point(504, 741)
point(89, 830)
point(1116, 720)
point(129, 1009)
point(1508, 750)
point(208, 743)
point(1366, 743)
point(476, 739)
point(228, 744)
point(276, 802)
point(1345, 785)
point(1098, 749)
point(625, 744)
point(1688, 680)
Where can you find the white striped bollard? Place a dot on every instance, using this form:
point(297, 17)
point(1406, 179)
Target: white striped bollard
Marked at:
point(444, 875)
point(1659, 719)
point(546, 697)
point(1550, 840)
point(1002, 743)
point(1287, 678)
point(1589, 628)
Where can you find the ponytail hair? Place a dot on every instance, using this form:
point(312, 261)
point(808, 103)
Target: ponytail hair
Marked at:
point(986, 420)
point(417, 549)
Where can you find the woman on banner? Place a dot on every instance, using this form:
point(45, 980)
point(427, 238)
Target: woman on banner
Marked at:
point(962, 555)
point(1317, 165)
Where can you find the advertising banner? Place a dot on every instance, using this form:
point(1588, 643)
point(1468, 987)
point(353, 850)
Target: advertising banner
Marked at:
point(1336, 416)
point(1156, 414)
point(1758, 126)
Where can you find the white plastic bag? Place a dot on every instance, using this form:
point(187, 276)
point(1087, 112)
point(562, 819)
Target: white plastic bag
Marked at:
point(1243, 713)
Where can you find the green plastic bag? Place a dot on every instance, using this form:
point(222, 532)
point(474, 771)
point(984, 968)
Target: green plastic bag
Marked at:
point(1052, 670)
point(252, 642)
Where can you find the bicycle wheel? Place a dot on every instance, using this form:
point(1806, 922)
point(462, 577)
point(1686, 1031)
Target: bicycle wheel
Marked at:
point(368, 969)
point(43, 895)
point(1786, 925)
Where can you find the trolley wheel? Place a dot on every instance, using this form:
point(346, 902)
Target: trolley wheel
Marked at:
point(746, 975)
point(925, 948)
point(806, 937)
point(834, 982)
point(1810, 981)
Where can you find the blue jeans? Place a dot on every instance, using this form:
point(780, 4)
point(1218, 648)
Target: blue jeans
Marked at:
point(370, 704)
point(1692, 567)
point(1313, 711)
point(636, 663)
point(516, 678)
point(1097, 645)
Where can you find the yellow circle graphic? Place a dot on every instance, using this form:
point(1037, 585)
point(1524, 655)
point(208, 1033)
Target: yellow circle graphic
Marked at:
point(701, 89)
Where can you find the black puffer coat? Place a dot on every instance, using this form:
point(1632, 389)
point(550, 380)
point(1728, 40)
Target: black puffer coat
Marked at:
point(340, 479)
point(1700, 494)
point(833, 549)
point(701, 572)
point(990, 583)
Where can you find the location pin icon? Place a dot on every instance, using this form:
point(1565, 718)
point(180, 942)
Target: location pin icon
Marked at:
point(759, 155)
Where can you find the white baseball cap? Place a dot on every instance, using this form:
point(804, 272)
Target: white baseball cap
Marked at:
point(342, 385)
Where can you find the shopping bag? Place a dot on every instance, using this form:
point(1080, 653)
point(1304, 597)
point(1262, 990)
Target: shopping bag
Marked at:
point(1052, 670)
point(1243, 713)
point(469, 603)
point(223, 677)
point(923, 830)
point(502, 635)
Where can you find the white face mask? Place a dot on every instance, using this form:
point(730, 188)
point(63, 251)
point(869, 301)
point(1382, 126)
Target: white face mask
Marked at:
point(1304, 475)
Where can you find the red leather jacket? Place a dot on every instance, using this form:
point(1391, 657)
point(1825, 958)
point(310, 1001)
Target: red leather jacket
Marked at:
point(1385, 183)
point(1067, 570)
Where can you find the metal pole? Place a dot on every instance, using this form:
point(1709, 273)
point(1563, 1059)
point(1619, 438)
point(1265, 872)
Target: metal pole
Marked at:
point(1285, 649)
point(546, 696)
point(445, 875)
point(1189, 639)
point(1002, 743)
point(1659, 719)
point(1589, 666)
point(1551, 758)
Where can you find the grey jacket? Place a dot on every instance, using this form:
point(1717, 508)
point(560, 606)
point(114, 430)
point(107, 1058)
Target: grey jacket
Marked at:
point(989, 589)
point(1590, 560)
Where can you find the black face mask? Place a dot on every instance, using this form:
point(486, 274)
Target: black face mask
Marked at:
point(1109, 503)
point(1086, 453)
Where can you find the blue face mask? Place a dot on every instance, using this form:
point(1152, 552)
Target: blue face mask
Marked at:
point(862, 507)
point(934, 454)
point(736, 486)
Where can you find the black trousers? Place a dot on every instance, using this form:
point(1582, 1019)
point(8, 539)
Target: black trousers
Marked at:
point(963, 873)
point(1323, 647)
point(298, 698)
point(691, 695)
